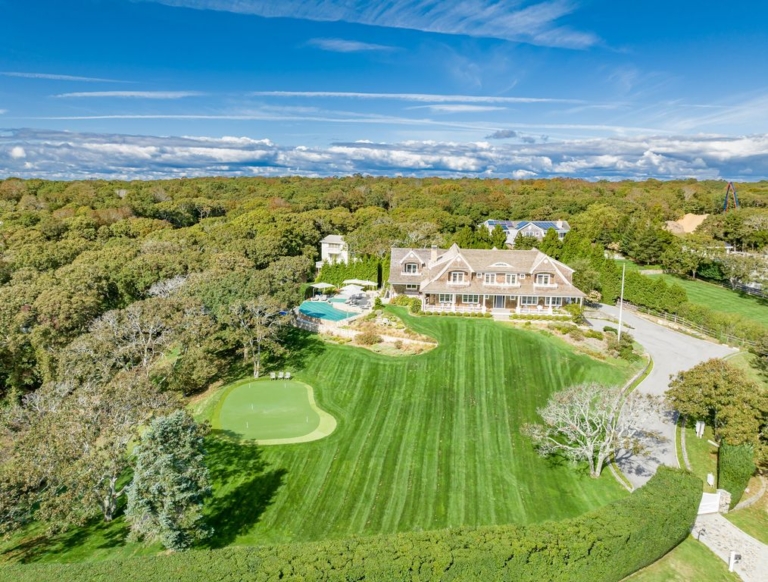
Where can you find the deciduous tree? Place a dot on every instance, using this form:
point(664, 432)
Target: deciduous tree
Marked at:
point(588, 422)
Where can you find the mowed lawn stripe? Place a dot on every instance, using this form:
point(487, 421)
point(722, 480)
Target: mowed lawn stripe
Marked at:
point(432, 441)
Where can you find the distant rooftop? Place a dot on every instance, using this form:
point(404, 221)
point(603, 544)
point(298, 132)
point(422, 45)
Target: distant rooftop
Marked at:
point(333, 238)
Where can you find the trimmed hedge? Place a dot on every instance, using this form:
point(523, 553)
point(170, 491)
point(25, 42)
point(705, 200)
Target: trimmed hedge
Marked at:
point(735, 467)
point(604, 545)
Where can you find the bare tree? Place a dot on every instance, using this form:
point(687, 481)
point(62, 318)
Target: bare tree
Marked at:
point(588, 422)
point(257, 324)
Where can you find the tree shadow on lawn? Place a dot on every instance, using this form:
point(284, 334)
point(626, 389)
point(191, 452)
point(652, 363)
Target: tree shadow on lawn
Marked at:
point(300, 347)
point(244, 487)
point(96, 534)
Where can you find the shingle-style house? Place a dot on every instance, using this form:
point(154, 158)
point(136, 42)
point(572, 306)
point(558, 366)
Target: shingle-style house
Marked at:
point(333, 249)
point(534, 228)
point(496, 281)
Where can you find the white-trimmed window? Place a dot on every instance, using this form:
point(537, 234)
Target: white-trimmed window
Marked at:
point(543, 278)
point(553, 301)
point(490, 278)
point(527, 300)
point(445, 298)
point(411, 269)
point(412, 287)
point(510, 279)
point(457, 276)
point(470, 299)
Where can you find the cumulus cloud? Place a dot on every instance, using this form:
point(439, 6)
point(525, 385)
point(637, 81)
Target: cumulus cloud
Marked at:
point(131, 94)
point(516, 20)
point(64, 155)
point(55, 77)
point(339, 45)
point(502, 134)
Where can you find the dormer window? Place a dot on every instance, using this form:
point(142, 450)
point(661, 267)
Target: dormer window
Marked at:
point(490, 278)
point(411, 269)
point(510, 279)
point(456, 277)
point(543, 279)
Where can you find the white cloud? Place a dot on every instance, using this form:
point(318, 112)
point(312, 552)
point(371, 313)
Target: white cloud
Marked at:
point(63, 155)
point(55, 77)
point(417, 97)
point(3, 111)
point(18, 153)
point(338, 45)
point(501, 19)
point(131, 94)
point(459, 108)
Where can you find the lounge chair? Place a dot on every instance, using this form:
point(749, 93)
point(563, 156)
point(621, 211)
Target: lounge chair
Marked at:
point(280, 376)
point(272, 376)
point(287, 375)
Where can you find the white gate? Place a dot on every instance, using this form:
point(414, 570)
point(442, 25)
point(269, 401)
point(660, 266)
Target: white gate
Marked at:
point(710, 503)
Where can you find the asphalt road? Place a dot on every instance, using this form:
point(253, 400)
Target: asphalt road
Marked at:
point(672, 352)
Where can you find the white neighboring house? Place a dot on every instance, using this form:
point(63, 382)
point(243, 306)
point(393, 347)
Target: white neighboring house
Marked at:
point(333, 250)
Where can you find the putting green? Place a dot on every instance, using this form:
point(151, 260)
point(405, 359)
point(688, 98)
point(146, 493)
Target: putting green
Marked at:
point(272, 412)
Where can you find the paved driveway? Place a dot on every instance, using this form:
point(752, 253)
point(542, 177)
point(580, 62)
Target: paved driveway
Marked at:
point(672, 352)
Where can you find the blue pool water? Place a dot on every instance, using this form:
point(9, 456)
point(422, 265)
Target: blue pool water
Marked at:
point(323, 310)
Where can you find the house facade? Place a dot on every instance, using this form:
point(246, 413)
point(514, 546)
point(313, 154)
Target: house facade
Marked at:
point(486, 281)
point(535, 228)
point(333, 249)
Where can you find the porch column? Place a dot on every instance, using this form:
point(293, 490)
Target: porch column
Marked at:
point(455, 299)
point(485, 299)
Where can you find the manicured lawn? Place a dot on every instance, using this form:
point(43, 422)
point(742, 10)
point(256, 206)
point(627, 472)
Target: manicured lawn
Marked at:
point(266, 409)
point(753, 519)
point(422, 442)
point(689, 561)
point(721, 299)
point(701, 454)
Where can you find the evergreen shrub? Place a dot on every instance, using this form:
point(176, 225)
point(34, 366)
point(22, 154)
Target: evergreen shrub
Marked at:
point(735, 467)
point(604, 545)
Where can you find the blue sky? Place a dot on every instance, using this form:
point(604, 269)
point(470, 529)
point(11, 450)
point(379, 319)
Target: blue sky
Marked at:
point(521, 88)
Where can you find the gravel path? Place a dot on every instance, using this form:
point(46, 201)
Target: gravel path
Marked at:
point(721, 536)
point(672, 352)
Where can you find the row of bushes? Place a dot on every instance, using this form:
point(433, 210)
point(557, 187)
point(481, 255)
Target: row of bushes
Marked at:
point(366, 268)
point(735, 467)
point(604, 545)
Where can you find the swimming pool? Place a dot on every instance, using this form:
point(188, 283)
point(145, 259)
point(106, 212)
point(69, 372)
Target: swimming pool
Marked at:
point(323, 310)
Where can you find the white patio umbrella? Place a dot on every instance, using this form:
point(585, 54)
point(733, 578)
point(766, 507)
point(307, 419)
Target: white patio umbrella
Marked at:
point(361, 282)
point(351, 289)
point(323, 286)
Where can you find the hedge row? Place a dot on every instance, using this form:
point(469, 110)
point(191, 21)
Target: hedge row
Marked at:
point(604, 545)
point(735, 467)
point(366, 268)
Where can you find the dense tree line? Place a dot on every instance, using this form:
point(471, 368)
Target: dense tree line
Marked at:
point(120, 299)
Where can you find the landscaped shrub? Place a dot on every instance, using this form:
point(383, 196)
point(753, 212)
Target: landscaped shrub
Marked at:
point(368, 338)
point(594, 334)
point(576, 334)
point(735, 467)
point(601, 546)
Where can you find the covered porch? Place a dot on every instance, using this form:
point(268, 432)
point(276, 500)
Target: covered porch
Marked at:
point(495, 304)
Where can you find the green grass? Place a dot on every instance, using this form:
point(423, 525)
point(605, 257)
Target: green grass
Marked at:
point(753, 519)
point(745, 362)
point(701, 454)
point(423, 442)
point(691, 560)
point(266, 409)
point(721, 299)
